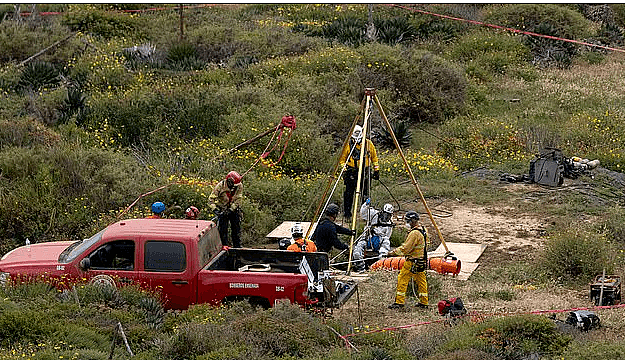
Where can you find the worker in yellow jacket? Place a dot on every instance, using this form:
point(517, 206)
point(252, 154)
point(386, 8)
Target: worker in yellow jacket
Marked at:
point(350, 176)
point(414, 249)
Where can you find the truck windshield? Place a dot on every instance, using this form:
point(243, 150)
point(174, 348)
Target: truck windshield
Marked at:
point(78, 248)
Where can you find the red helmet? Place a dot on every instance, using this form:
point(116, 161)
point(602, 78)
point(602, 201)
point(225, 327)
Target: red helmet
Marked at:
point(235, 176)
point(192, 212)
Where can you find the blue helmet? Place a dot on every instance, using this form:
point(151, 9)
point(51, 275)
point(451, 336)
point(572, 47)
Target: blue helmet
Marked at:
point(158, 207)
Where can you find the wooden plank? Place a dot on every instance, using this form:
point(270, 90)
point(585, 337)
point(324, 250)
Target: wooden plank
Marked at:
point(463, 251)
point(284, 230)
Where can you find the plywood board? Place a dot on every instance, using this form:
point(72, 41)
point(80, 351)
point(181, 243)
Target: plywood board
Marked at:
point(284, 230)
point(463, 251)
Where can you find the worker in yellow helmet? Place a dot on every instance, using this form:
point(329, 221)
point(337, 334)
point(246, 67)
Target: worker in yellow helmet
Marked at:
point(350, 176)
point(414, 249)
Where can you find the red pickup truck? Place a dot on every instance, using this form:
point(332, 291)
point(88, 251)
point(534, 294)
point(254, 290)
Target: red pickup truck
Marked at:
point(185, 260)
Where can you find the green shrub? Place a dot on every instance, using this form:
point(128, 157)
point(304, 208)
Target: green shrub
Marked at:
point(183, 56)
point(577, 253)
point(509, 337)
point(401, 130)
point(26, 132)
point(37, 75)
point(66, 185)
point(566, 22)
point(348, 31)
point(395, 30)
point(81, 337)
point(546, 19)
point(490, 52)
point(88, 19)
point(23, 325)
point(601, 350)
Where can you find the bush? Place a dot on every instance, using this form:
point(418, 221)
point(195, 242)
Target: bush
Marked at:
point(511, 337)
point(57, 193)
point(494, 53)
point(88, 19)
point(602, 350)
point(547, 19)
point(26, 132)
point(577, 254)
point(567, 23)
point(37, 75)
point(23, 325)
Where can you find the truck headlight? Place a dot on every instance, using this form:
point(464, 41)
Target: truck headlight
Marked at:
point(4, 277)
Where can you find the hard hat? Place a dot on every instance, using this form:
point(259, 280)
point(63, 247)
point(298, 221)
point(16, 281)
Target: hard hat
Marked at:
point(234, 176)
point(411, 216)
point(158, 207)
point(297, 229)
point(388, 208)
point(357, 133)
point(192, 212)
point(332, 209)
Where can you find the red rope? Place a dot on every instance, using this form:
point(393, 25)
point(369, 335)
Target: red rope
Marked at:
point(506, 28)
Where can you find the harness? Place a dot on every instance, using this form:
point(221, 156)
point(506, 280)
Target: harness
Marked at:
point(302, 246)
point(420, 264)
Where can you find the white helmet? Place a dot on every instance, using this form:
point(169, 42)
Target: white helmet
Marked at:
point(297, 229)
point(388, 208)
point(357, 133)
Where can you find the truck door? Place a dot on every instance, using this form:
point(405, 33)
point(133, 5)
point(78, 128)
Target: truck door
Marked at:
point(113, 261)
point(167, 268)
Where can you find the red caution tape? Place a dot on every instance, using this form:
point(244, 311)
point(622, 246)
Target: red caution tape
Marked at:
point(506, 28)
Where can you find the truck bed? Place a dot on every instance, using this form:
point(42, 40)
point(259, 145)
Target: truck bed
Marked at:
point(261, 260)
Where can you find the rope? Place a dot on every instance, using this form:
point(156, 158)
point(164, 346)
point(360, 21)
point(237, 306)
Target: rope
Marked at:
point(506, 28)
point(288, 121)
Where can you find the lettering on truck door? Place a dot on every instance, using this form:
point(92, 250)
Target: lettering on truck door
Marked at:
point(167, 268)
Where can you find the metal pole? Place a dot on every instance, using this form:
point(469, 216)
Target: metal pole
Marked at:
point(409, 170)
point(361, 162)
point(601, 292)
point(181, 22)
point(332, 177)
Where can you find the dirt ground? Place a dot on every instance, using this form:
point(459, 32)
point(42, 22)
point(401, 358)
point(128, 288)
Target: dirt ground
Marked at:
point(508, 234)
point(511, 237)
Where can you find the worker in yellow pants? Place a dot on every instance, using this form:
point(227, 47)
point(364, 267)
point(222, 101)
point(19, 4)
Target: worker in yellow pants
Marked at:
point(403, 279)
point(414, 249)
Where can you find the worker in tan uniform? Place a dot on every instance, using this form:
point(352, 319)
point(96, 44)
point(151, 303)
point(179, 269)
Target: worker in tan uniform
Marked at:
point(350, 176)
point(225, 202)
point(414, 249)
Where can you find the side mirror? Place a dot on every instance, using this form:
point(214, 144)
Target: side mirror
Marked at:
point(84, 264)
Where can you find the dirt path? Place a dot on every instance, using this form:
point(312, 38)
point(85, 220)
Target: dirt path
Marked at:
point(506, 232)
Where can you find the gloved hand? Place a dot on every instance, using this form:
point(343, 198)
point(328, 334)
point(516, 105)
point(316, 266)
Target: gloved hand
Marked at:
point(233, 207)
point(376, 175)
point(368, 201)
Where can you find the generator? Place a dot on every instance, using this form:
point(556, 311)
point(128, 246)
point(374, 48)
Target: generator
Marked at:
point(611, 290)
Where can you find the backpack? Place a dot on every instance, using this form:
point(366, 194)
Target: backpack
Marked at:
point(583, 319)
point(452, 307)
point(548, 167)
